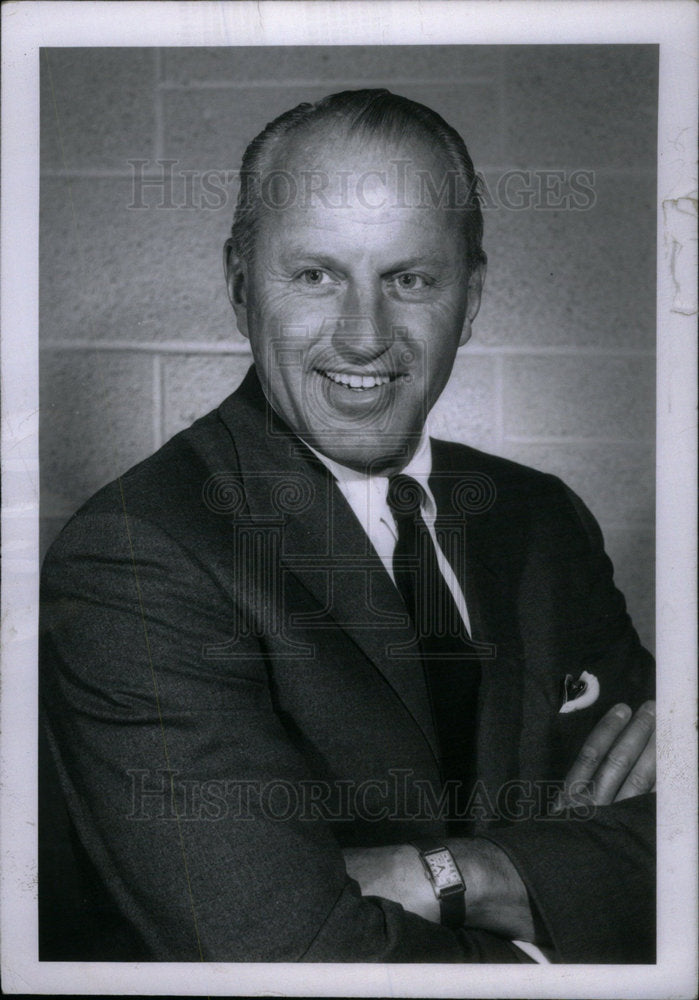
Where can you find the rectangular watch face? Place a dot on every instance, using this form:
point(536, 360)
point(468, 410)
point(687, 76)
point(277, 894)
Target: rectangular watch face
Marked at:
point(445, 874)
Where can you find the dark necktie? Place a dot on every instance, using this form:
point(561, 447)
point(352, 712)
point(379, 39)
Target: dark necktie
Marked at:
point(452, 670)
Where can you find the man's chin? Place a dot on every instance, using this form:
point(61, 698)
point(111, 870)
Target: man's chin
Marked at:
point(370, 453)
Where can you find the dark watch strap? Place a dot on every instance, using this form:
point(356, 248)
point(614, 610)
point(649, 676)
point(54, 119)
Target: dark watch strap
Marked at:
point(451, 897)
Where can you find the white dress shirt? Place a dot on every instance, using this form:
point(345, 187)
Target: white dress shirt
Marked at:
point(366, 495)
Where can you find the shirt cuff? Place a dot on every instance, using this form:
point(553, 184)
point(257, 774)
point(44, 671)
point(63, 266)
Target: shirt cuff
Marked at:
point(535, 953)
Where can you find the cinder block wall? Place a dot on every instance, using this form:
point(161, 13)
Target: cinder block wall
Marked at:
point(137, 335)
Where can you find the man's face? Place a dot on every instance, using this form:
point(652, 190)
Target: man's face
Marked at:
point(355, 312)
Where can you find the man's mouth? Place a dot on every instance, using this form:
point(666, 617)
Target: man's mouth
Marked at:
point(358, 382)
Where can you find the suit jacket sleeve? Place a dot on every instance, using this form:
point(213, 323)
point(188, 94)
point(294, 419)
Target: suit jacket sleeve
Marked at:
point(178, 773)
point(591, 877)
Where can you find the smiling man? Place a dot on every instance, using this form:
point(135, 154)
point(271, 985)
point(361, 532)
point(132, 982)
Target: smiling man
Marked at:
point(317, 686)
point(375, 283)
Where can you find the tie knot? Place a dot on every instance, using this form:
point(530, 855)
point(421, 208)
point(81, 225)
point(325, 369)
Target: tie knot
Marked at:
point(405, 496)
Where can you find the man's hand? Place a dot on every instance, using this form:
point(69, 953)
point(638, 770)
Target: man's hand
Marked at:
point(393, 872)
point(496, 899)
point(617, 759)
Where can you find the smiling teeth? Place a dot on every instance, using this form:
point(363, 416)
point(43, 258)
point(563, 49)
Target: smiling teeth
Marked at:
point(358, 381)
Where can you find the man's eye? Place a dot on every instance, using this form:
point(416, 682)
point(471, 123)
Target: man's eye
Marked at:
point(314, 276)
point(411, 282)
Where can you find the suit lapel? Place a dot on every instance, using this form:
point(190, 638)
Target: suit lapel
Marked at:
point(470, 531)
point(488, 569)
point(324, 547)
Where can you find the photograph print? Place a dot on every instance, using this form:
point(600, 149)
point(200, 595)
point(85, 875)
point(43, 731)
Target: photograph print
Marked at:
point(347, 424)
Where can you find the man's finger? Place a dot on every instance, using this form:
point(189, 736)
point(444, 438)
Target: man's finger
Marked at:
point(642, 776)
point(592, 754)
point(595, 747)
point(621, 758)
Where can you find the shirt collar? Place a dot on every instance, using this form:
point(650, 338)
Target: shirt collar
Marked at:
point(419, 468)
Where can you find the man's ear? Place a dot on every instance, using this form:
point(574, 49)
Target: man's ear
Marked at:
point(236, 272)
point(475, 287)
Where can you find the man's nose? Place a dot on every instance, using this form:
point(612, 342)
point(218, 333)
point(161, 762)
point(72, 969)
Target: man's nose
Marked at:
point(363, 331)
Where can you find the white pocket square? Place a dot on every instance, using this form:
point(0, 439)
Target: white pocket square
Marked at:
point(581, 693)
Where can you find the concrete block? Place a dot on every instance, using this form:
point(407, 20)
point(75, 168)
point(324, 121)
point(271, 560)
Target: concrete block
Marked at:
point(581, 105)
point(195, 384)
point(209, 129)
point(97, 107)
point(336, 64)
point(575, 397)
point(113, 272)
point(617, 482)
point(570, 277)
point(465, 411)
point(96, 422)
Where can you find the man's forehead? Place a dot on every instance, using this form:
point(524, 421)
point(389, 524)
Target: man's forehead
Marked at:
point(382, 178)
point(383, 238)
point(334, 148)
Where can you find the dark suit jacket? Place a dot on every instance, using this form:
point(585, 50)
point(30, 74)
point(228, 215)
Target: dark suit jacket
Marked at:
point(220, 642)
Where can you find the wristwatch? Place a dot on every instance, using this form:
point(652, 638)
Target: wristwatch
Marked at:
point(448, 884)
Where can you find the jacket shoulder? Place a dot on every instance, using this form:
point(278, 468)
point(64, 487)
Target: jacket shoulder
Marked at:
point(170, 488)
point(520, 495)
point(461, 458)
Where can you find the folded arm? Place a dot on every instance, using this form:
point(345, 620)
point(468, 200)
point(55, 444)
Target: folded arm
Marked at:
point(616, 762)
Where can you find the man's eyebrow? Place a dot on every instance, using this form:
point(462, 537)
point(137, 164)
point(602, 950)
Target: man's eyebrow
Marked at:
point(296, 252)
point(421, 260)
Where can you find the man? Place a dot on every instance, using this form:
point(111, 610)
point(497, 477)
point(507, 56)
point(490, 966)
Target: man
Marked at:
point(313, 682)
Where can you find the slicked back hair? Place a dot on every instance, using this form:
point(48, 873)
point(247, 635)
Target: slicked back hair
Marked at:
point(375, 113)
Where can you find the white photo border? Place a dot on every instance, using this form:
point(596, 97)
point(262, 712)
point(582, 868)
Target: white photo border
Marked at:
point(672, 24)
